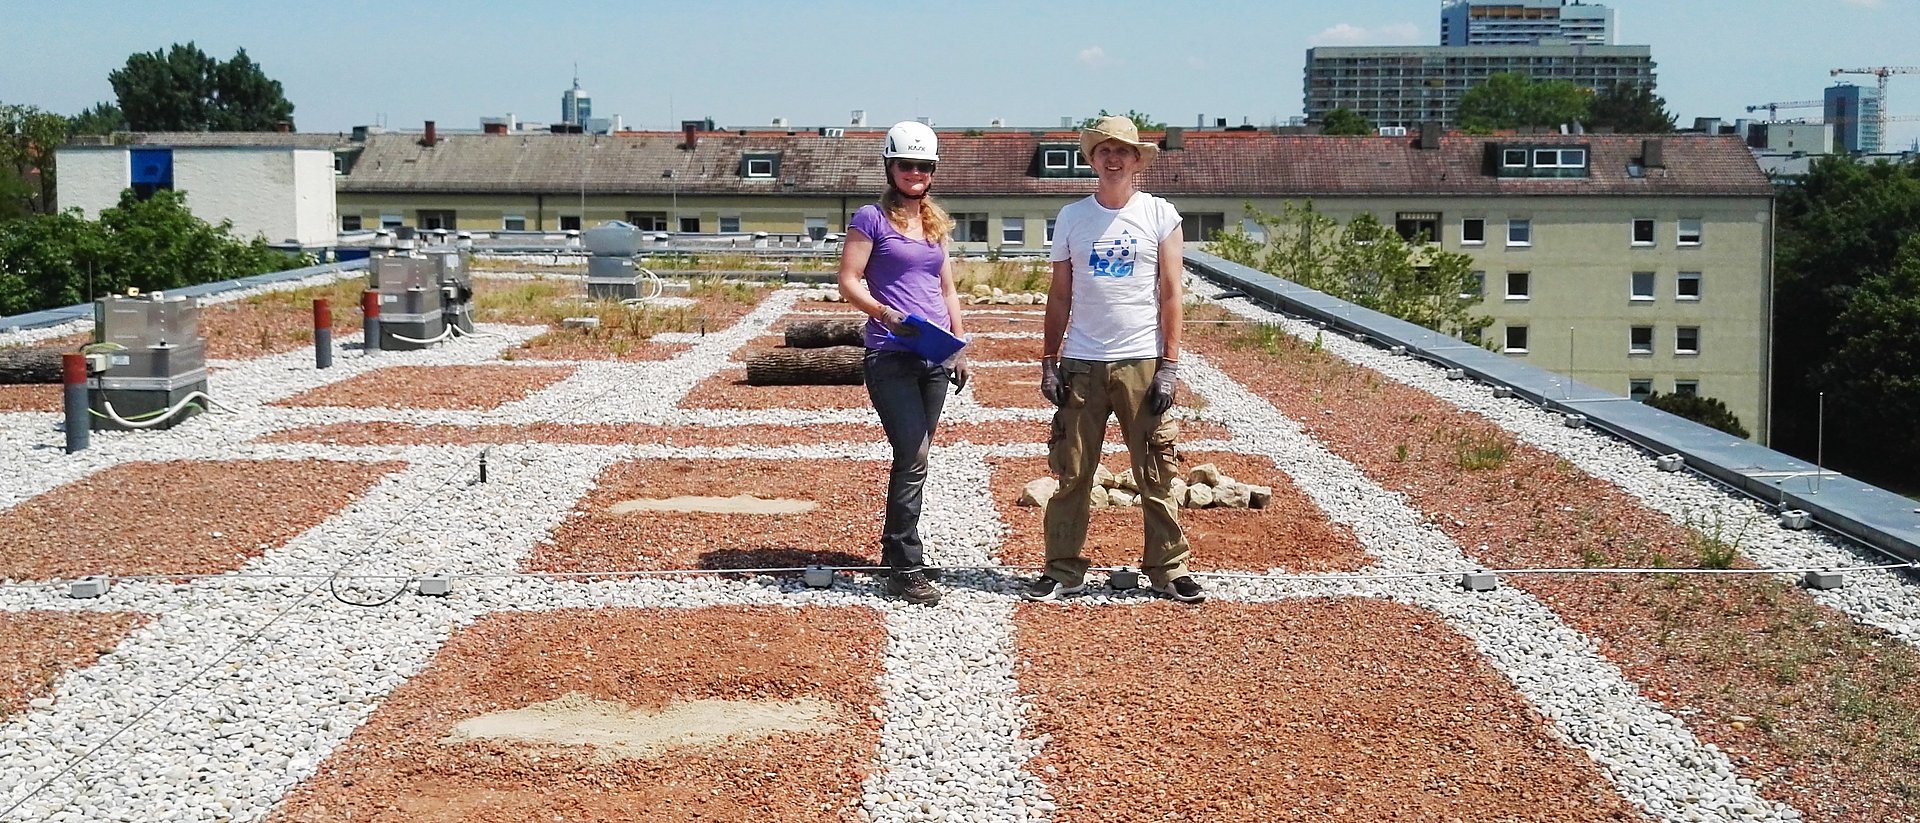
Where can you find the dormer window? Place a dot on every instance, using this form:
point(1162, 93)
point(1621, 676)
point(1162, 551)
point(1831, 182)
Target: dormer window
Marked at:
point(1538, 161)
point(1059, 160)
point(760, 166)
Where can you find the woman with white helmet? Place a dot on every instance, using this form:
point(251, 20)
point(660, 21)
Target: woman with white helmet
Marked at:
point(893, 264)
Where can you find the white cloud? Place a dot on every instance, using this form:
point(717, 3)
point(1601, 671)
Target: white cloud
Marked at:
point(1347, 34)
point(1095, 57)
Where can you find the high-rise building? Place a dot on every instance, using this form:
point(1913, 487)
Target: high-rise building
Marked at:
point(575, 106)
point(1406, 85)
point(1524, 22)
point(1854, 112)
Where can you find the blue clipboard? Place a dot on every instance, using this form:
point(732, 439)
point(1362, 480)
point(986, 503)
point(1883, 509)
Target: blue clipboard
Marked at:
point(928, 340)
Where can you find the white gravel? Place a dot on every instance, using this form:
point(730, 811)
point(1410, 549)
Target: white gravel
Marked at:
point(260, 703)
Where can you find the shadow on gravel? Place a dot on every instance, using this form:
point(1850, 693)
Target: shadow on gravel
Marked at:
point(779, 559)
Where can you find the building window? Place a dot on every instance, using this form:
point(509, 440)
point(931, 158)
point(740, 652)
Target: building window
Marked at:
point(1559, 158)
point(690, 225)
point(1642, 288)
point(1689, 232)
point(1200, 227)
point(759, 165)
point(1643, 232)
point(513, 222)
point(392, 221)
point(1519, 232)
point(1513, 158)
point(1686, 340)
point(729, 225)
point(1477, 289)
point(349, 222)
point(1057, 159)
point(1418, 226)
point(1687, 286)
point(1516, 339)
point(1049, 231)
point(1640, 340)
point(1686, 388)
point(648, 220)
point(1519, 285)
point(970, 227)
point(1473, 231)
point(1639, 388)
point(430, 220)
point(569, 222)
point(1013, 231)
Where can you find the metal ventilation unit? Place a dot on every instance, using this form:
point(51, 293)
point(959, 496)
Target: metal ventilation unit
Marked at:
point(611, 274)
point(456, 287)
point(413, 309)
point(146, 363)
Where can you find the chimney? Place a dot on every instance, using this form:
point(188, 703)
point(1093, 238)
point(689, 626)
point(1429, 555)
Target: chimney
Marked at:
point(494, 128)
point(1652, 155)
point(689, 130)
point(1429, 135)
point(432, 137)
point(1176, 139)
point(283, 127)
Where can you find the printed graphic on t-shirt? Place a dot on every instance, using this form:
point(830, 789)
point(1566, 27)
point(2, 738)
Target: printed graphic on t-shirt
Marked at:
point(1114, 258)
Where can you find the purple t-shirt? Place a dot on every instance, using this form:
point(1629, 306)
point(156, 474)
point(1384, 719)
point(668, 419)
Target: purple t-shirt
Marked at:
point(903, 273)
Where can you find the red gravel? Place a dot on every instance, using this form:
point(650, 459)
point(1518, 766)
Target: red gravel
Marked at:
point(986, 349)
point(37, 647)
point(842, 530)
point(465, 388)
point(1824, 711)
point(1018, 387)
point(397, 767)
point(728, 389)
point(188, 517)
point(31, 398)
point(1348, 710)
point(1291, 533)
point(389, 433)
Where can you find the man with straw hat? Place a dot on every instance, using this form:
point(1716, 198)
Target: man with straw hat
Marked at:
point(1112, 346)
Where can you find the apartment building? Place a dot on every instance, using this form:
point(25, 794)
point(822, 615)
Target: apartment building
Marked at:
point(1408, 85)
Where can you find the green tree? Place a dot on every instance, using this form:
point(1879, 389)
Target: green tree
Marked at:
point(1630, 108)
point(28, 137)
point(1707, 411)
point(183, 89)
point(1345, 121)
point(1840, 226)
point(1141, 120)
point(1513, 101)
point(103, 118)
point(1872, 376)
point(51, 260)
point(1364, 262)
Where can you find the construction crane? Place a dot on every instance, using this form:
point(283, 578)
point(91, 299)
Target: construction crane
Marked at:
point(1880, 72)
point(1774, 108)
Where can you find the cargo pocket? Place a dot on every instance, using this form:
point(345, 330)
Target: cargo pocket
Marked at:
point(1055, 437)
point(1160, 443)
point(1078, 375)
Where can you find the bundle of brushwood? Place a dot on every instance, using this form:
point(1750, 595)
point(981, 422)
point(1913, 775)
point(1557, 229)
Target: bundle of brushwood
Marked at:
point(816, 334)
point(827, 366)
point(19, 365)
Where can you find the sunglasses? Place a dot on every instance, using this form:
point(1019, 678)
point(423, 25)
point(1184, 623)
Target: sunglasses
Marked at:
point(915, 166)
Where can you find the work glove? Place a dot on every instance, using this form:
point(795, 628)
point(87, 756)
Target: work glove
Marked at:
point(959, 372)
point(1160, 392)
point(1052, 383)
point(895, 321)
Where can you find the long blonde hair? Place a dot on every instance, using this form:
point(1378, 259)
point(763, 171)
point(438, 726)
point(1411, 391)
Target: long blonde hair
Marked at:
point(935, 224)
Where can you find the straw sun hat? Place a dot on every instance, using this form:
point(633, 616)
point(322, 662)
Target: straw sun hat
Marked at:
point(1114, 127)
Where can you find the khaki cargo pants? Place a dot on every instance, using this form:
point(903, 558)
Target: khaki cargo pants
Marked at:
point(1095, 390)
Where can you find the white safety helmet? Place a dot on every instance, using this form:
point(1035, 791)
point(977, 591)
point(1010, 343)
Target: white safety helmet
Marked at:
point(913, 140)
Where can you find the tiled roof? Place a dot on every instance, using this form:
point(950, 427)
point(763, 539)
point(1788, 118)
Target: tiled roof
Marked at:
point(235, 139)
point(1233, 164)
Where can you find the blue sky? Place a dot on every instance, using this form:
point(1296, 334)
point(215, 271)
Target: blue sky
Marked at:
point(743, 63)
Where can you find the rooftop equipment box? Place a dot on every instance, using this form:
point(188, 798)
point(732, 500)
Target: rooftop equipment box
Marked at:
point(151, 359)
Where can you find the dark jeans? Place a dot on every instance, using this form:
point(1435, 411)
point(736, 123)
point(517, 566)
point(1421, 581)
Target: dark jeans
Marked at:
point(908, 393)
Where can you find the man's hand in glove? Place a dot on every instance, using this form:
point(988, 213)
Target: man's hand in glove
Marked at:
point(1160, 392)
point(959, 372)
point(1052, 386)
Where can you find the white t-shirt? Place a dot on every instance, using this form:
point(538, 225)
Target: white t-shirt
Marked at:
point(1116, 275)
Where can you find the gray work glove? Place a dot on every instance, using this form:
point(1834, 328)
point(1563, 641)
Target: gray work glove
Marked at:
point(1160, 392)
point(1052, 383)
point(959, 372)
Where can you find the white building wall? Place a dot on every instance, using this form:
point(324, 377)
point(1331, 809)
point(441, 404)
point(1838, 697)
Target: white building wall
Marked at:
point(284, 195)
point(90, 179)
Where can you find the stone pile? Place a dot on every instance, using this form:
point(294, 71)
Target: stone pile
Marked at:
point(982, 295)
point(1204, 487)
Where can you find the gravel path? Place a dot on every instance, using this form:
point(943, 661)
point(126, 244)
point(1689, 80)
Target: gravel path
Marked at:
point(239, 688)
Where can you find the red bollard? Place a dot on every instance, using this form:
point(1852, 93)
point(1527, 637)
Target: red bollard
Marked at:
point(322, 333)
point(370, 311)
point(73, 373)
